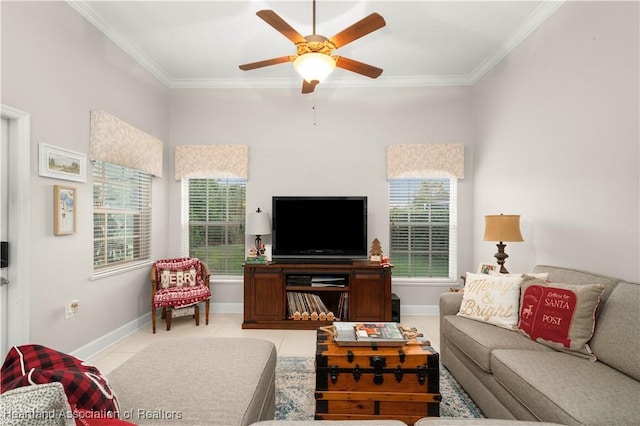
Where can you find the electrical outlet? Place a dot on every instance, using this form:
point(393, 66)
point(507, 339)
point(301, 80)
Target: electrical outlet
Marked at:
point(71, 309)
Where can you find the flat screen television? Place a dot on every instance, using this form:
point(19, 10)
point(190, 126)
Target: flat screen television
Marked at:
point(317, 228)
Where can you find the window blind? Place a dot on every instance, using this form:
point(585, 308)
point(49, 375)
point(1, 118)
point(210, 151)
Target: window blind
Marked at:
point(121, 216)
point(423, 227)
point(213, 218)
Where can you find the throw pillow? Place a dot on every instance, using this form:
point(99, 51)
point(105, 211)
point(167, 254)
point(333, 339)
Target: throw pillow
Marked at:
point(561, 316)
point(86, 388)
point(182, 272)
point(493, 299)
point(178, 278)
point(44, 405)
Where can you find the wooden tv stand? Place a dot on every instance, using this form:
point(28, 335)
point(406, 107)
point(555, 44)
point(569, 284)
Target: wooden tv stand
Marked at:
point(367, 286)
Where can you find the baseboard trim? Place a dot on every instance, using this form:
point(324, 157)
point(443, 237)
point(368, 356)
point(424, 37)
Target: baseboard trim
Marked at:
point(227, 308)
point(419, 310)
point(93, 348)
point(100, 344)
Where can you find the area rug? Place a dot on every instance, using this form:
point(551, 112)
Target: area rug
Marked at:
point(295, 385)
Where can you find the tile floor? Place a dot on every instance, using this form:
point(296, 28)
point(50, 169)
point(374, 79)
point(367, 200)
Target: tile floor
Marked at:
point(288, 342)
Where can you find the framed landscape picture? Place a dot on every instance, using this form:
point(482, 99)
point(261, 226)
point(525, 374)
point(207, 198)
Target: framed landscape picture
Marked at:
point(62, 164)
point(64, 210)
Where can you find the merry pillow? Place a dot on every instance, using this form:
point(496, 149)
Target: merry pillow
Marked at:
point(493, 299)
point(178, 278)
point(183, 272)
point(561, 316)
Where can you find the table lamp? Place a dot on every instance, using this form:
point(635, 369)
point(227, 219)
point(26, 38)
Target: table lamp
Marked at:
point(259, 224)
point(501, 228)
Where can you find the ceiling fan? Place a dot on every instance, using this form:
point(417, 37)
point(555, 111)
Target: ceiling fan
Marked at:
point(313, 59)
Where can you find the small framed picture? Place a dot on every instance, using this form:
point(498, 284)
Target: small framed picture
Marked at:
point(64, 210)
point(62, 164)
point(487, 268)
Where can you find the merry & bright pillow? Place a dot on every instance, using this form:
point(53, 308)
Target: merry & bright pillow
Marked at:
point(494, 299)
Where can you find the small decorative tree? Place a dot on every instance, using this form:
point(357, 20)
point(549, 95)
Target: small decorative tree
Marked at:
point(376, 251)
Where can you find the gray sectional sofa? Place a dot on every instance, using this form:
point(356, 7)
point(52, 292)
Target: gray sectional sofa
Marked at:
point(510, 376)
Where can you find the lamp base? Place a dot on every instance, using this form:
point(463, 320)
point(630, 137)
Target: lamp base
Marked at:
point(501, 256)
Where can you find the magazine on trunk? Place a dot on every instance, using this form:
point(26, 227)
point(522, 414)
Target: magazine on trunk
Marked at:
point(368, 333)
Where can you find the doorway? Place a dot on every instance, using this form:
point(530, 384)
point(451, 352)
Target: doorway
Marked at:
point(15, 217)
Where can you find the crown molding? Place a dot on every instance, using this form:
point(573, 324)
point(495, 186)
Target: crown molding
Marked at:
point(537, 17)
point(288, 83)
point(132, 49)
point(546, 9)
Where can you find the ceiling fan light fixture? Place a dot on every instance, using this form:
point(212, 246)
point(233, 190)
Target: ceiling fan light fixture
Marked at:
point(314, 67)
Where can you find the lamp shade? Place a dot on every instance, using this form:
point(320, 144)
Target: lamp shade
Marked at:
point(502, 227)
point(259, 223)
point(314, 67)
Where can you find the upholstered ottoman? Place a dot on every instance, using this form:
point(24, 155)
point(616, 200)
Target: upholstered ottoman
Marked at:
point(331, 423)
point(198, 380)
point(453, 421)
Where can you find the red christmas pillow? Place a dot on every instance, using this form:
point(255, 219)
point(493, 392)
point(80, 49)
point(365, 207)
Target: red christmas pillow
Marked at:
point(561, 316)
point(181, 272)
point(86, 388)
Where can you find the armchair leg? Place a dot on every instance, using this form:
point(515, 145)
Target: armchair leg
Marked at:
point(196, 315)
point(168, 317)
point(206, 312)
point(153, 319)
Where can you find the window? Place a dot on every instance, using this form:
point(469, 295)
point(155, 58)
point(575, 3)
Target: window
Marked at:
point(121, 216)
point(422, 223)
point(213, 223)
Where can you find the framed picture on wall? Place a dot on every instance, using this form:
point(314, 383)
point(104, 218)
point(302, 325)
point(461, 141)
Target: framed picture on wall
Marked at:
point(487, 268)
point(64, 210)
point(62, 164)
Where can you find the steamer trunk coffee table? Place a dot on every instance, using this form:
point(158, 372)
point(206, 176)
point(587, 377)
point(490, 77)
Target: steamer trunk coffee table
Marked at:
point(376, 382)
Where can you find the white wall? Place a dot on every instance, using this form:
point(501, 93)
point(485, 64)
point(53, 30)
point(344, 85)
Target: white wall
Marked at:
point(551, 134)
point(57, 67)
point(556, 139)
point(338, 148)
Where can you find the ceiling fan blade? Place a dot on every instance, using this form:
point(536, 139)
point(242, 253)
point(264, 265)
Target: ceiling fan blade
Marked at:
point(265, 63)
point(273, 19)
point(358, 67)
point(308, 87)
point(359, 29)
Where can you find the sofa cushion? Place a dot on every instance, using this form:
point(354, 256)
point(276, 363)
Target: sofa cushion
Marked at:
point(616, 340)
point(565, 389)
point(576, 277)
point(477, 340)
point(561, 316)
point(492, 299)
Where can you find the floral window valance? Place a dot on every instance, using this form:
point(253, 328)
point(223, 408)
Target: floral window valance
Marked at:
point(115, 141)
point(212, 161)
point(425, 161)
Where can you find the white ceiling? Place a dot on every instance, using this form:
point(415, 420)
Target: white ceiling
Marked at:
point(199, 44)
